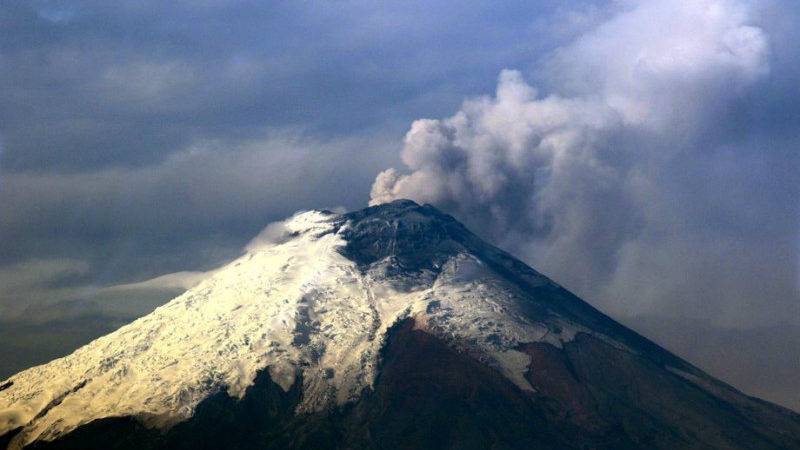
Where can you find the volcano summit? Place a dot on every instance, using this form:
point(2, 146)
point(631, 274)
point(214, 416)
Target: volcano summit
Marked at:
point(389, 327)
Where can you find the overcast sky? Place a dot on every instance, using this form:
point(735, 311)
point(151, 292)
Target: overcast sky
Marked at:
point(642, 153)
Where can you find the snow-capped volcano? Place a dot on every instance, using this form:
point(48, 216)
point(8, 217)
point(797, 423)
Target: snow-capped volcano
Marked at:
point(316, 314)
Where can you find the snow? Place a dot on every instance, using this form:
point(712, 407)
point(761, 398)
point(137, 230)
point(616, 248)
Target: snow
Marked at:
point(293, 305)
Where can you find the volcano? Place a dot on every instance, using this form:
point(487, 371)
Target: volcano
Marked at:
point(393, 327)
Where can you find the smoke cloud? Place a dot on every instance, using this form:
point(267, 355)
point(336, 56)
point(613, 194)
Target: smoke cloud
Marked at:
point(639, 175)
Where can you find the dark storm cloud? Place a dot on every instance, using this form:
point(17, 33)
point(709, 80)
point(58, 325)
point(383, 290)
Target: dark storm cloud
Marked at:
point(195, 208)
point(91, 84)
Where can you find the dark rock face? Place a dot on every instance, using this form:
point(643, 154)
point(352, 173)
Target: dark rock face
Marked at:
point(589, 394)
point(416, 237)
point(6, 438)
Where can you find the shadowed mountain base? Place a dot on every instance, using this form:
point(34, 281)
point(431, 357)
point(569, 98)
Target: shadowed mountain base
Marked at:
point(588, 395)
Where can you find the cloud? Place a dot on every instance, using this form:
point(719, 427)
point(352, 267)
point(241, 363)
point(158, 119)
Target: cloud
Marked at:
point(178, 280)
point(91, 85)
point(635, 180)
point(41, 291)
point(272, 234)
point(38, 281)
point(189, 212)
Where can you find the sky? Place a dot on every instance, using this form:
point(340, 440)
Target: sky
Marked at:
point(644, 154)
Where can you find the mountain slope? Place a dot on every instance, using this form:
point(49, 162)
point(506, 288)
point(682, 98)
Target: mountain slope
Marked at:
point(390, 327)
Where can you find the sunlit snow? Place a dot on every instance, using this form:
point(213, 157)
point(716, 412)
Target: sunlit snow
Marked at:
point(295, 307)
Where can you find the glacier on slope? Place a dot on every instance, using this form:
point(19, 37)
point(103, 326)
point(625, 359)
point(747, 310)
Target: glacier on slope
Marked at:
point(314, 306)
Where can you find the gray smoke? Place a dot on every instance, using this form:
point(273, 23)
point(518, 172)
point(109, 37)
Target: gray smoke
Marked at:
point(640, 176)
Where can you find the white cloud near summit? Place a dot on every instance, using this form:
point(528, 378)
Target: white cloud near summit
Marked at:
point(613, 179)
